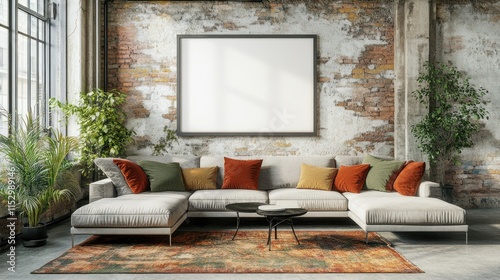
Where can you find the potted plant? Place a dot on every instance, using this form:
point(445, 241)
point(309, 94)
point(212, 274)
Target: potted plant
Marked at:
point(101, 119)
point(36, 163)
point(455, 110)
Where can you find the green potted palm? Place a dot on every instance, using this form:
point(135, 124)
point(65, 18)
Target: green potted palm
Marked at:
point(456, 108)
point(36, 162)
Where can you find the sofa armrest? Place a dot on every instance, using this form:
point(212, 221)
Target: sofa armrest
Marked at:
point(101, 189)
point(428, 189)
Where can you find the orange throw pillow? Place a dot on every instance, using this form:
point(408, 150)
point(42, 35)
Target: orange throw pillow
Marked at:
point(409, 178)
point(390, 184)
point(351, 178)
point(241, 174)
point(136, 178)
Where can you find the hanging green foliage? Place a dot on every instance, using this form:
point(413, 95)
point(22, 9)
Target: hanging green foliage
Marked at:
point(101, 119)
point(165, 143)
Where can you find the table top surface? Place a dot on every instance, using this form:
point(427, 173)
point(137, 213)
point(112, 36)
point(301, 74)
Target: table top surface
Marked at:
point(289, 212)
point(244, 207)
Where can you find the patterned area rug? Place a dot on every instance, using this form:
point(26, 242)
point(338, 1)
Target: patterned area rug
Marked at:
point(215, 252)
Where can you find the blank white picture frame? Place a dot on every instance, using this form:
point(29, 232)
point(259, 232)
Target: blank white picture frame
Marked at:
point(254, 85)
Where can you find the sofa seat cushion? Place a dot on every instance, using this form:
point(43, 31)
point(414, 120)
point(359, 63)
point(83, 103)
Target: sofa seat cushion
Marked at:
point(312, 200)
point(160, 209)
point(382, 208)
point(216, 200)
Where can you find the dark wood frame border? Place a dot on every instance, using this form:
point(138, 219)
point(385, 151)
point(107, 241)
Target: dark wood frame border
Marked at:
point(180, 131)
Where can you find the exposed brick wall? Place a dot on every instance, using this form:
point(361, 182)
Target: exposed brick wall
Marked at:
point(357, 79)
point(476, 182)
point(373, 73)
point(125, 71)
point(468, 37)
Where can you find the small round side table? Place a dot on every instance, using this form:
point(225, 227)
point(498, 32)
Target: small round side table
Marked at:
point(275, 218)
point(243, 207)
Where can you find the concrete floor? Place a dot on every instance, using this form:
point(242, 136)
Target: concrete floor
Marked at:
point(440, 255)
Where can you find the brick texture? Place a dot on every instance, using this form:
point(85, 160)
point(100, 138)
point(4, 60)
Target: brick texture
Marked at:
point(467, 36)
point(364, 72)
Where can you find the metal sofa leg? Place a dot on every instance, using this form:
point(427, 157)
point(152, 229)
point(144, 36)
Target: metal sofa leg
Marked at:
point(466, 238)
point(72, 240)
point(366, 237)
point(170, 240)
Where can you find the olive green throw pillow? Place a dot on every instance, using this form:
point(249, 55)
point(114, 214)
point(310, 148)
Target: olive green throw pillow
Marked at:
point(380, 172)
point(163, 176)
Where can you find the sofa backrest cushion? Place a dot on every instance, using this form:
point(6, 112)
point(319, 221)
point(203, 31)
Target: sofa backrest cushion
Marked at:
point(348, 160)
point(184, 161)
point(276, 171)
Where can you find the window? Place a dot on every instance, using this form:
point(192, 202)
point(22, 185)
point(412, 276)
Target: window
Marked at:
point(25, 57)
point(32, 45)
point(1, 57)
point(4, 70)
point(3, 11)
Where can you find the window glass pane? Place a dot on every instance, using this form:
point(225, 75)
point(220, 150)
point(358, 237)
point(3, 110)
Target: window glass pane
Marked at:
point(4, 60)
point(23, 79)
point(41, 8)
point(22, 53)
point(34, 76)
point(41, 30)
point(42, 78)
point(4, 12)
point(34, 26)
point(33, 5)
point(22, 22)
point(33, 59)
point(4, 77)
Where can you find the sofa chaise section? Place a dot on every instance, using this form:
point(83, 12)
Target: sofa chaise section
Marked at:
point(149, 213)
point(379, 212)
point(376, 211)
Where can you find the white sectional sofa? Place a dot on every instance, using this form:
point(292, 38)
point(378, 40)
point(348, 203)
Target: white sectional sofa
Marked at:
point(161, 213)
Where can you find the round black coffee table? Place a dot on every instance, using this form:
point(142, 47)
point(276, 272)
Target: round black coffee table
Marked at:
point(275, 218)
point(244, 207)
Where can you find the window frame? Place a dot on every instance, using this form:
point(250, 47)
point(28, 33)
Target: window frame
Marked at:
point(39, 56)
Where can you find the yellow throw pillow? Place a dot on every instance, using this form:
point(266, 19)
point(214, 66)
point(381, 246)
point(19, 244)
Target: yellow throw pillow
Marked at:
point(317, 178)
point(200, 178)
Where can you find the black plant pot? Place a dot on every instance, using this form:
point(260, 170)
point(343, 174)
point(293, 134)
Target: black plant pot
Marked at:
point(35, 236)
point(447, 193)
